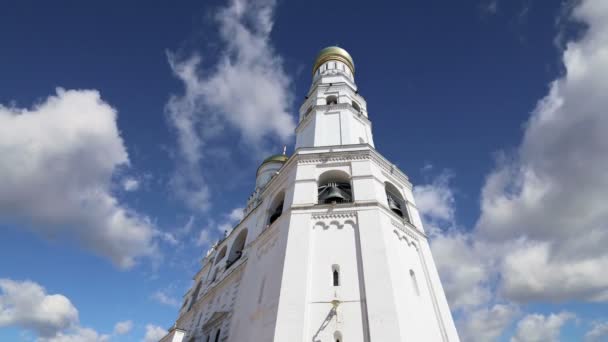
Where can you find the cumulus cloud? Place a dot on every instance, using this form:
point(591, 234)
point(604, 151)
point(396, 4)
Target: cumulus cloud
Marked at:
point(489, 7)
point(52, 317)
point(130, 184)
point(464, 273)
point(542, 228)
point(154, 333)
point(58, 159)
point(551, 196)
point(234, 93)
point(165, 299)
point(598, 332)
point(124, 327)
point(540, 328)
point(225, 225)
point(465, 264)
point(27, 305)
point(204, 238)
point(78, 334)
point(436, 200)
point(486, 324)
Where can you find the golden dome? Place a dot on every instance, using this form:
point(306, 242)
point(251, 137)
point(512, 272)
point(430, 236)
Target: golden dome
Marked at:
point(334, 53)
point(277, 158)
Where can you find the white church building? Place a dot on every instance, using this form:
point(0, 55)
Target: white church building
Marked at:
point(331, 247)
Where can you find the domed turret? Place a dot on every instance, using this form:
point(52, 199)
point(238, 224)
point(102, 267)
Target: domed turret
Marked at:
point(268, 168)
point(334, 53)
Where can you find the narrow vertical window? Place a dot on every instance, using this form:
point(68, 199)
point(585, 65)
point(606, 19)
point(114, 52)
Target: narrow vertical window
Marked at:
point(261, 295)
point(414, 282)
point(336, 274)
point(217, 336)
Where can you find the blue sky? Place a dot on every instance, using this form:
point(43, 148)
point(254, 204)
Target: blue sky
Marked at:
point(130, 136)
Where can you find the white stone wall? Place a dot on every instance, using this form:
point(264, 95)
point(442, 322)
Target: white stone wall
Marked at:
point(343, 123)
point(282, 287)
point(375, 251)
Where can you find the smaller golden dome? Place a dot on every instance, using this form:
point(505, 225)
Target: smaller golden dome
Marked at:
point(333, 53)
point(277, 158)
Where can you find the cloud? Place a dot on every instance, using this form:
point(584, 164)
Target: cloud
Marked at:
point(247, 90)
point(154, 333)
point(464, 264)
point(187, 228)
point(130, 184)
point(27, 305)
point(204, 238)
point(489, 7)
point(464, 273)
point(435, 202)
point(58, 159)
point(486, 324)
point(598, 332)
point(77, 334)
point(549, 199)
point(227, 223)
point(163, 298)
point(537, 328)
point(122, 328)
point(235, 216)
point(52, 317)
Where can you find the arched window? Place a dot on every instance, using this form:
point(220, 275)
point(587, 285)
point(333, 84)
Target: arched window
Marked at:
point(308, 111)
point(334, 187)
point(221, 254)
point(215, 273)
point(195, 295)
point(276, 210)
point(335, 271)
point(396, 203)
point(356, 106)
point(217, 336)
point(338, 336)
point(414, 282)
point(331, 100)
point(236, 251)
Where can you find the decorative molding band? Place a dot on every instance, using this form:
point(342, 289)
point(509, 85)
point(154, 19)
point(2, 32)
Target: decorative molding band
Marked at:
point(334, 157)
point(405, 230)
point(331, 155)
point(334, 215)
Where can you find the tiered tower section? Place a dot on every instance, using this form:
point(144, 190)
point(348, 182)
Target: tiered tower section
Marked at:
point(334, 113)
point(331, 247)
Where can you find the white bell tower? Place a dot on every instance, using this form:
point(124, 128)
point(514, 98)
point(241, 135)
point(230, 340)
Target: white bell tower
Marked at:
point(331, 247)
point(334, 113)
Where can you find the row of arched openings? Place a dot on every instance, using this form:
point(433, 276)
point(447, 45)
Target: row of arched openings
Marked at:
point(236, 251)
point(333, 100)
point(335, 187)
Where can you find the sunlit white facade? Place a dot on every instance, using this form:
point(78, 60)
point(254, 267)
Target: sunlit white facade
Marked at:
point(331, 247)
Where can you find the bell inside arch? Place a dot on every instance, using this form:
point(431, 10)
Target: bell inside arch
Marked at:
point(276, 214)
point(334, 193)
point(394, 205)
